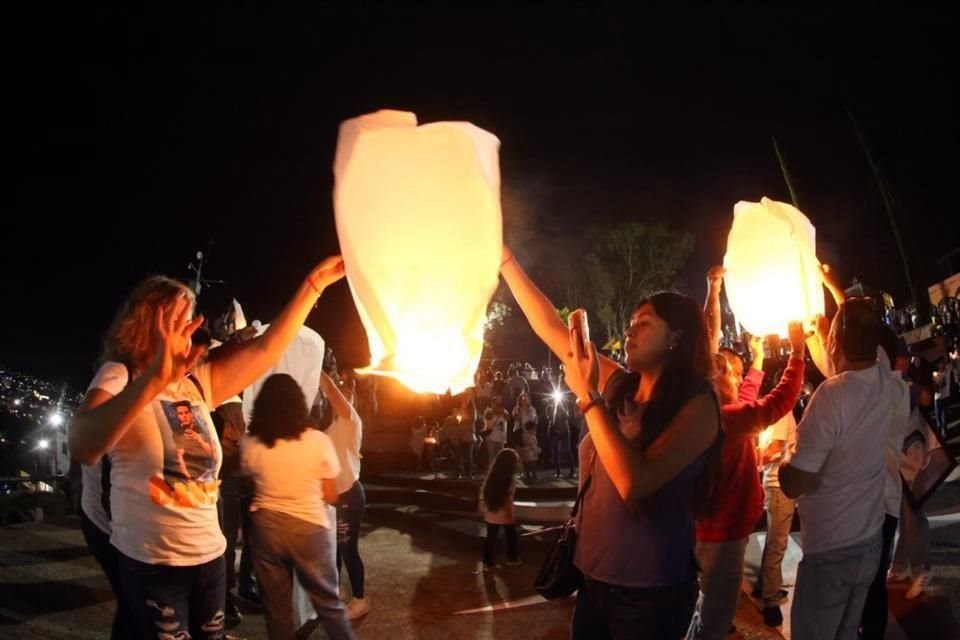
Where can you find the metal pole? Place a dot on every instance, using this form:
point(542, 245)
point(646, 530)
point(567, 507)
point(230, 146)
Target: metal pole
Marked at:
point(786, 174)
point(888, 203)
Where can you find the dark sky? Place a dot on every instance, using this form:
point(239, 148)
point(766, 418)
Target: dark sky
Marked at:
point(134, 139)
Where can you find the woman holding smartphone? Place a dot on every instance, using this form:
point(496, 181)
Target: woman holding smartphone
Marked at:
point(651, 459)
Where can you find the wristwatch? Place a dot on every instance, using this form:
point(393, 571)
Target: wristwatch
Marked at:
point(587, 402)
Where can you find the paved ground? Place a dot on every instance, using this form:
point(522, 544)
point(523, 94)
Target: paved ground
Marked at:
point(422, 543)
point(420, 574)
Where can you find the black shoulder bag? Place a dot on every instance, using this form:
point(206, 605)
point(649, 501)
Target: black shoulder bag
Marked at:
point(559, 577)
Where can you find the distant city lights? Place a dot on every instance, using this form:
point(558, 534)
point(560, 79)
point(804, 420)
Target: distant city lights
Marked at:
point(56, 419)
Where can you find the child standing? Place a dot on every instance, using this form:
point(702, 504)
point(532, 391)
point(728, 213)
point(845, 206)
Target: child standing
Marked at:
point(530, 452)
point(496, 501)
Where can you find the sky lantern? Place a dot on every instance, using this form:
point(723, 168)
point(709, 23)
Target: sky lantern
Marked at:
point(773, 273)
point(417, 210)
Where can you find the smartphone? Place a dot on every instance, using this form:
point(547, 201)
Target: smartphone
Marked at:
point(580, 328)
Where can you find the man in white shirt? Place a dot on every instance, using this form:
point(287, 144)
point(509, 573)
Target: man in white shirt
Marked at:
point(837, 475)
point(780, 509)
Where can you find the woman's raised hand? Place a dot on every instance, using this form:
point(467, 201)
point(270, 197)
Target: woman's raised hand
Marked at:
point(174, 351)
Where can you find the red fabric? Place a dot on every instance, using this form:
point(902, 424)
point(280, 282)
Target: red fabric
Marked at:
point(750, 387)
point(740, 493)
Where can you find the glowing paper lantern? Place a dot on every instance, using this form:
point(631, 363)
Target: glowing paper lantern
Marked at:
point(418, 217)
point(772, 268)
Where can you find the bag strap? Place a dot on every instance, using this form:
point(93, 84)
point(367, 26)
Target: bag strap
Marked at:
point(583, 487)
point(196, 383)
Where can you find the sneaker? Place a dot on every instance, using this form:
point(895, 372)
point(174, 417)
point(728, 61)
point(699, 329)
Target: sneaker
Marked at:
point(358, 608)
point(514, 563)
point(231, 614)
point(920, 583)
point(772, 616)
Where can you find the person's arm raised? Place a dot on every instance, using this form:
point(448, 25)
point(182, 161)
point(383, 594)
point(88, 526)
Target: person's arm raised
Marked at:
point(104, 418)
point(236, 371)
point(637, 474)
point(711, 307)
point(542, 315)
point(830, 282)
point(338, 401)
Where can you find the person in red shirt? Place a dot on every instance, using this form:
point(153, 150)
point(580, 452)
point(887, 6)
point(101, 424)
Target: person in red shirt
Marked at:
point(722, 537)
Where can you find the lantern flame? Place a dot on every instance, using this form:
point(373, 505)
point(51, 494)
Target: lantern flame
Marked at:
point(765, 438)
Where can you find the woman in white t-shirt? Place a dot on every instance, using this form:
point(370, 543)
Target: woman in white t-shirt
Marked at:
point(295, 470)
point(523, 414)
point(494, 429)
point(147, 414)
point(346, 432)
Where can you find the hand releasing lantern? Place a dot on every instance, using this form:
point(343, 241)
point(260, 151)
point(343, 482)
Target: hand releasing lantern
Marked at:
point(418, 217)
point(772, 268)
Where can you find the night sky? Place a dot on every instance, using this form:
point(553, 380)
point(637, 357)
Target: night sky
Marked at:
point(136, 139)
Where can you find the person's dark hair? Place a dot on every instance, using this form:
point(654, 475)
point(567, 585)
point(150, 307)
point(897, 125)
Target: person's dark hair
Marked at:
point(733, 352)
point(890, 343)
point(280, 411)
point(687, 371)
point(859, 330)
point(496, 486)
point(688, 364)
point(182, 403)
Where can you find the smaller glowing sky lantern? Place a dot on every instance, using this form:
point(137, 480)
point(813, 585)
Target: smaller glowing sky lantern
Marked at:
point(418, 217)
point(772, 268)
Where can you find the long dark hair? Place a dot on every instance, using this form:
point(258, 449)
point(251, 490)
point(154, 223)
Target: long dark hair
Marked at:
point(496, 486)
point(280, 411)
point(688, 364)
point(686, 373)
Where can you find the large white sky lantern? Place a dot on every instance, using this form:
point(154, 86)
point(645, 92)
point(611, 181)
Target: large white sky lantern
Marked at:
point(772, 268)
point(418, 216)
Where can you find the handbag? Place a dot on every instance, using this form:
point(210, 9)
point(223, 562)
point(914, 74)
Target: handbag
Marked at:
point(559, 577)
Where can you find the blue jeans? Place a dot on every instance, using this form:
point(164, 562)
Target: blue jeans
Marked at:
point(108, 558)
point(941, 405)
point(560, 443)
point(350, 508)
point(604, 611)
point(831, 590)
point(169, 602)
point(283, 544)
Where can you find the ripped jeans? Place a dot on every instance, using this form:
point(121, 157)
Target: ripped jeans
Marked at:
point(175, 603)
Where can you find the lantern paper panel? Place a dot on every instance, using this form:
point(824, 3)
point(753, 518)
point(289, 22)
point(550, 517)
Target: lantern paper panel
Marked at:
point(773, 275)
point(302, 361)
point(418, 215)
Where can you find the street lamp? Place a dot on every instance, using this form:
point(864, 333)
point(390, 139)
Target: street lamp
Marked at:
point(56, 419)
point(43, 444)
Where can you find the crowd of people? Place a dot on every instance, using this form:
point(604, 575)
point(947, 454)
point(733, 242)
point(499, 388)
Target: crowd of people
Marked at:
point(670, 463)
point(669, 449)
point(527, 410)
point(167, 486)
